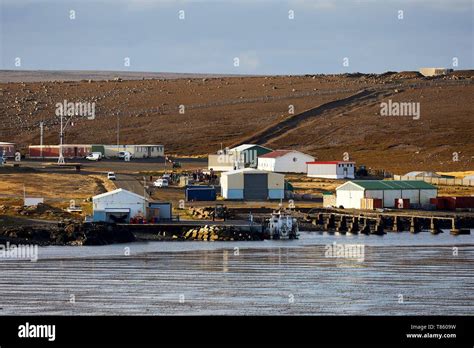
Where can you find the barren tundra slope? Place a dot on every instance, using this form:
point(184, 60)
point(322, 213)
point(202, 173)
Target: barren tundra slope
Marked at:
point(333, 114)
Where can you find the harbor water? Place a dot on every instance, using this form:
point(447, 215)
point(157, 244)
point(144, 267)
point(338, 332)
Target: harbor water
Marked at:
point(396, 274)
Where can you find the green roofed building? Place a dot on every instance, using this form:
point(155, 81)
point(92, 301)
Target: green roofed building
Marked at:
point(350, 194)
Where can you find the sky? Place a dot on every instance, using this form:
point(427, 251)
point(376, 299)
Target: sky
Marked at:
point(237, 36)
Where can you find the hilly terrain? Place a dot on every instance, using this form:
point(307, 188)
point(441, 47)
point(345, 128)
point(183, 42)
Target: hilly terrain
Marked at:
point(323, 115)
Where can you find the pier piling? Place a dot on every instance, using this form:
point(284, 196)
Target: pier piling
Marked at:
point(414, 225)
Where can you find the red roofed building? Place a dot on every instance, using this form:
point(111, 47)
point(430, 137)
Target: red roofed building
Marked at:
point(284, 161)
point(331, 169)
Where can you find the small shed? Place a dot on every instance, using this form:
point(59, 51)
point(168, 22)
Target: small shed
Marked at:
point(159, 211)
point(252, 184)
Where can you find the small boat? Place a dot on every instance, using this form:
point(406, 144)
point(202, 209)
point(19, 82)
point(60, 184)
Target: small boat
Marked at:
point(282, 225)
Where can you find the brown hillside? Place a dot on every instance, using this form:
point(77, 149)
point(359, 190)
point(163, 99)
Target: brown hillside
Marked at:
point(333, 114)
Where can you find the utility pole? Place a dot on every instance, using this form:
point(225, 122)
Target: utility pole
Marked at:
point(118, 132)
point(61, 136)
point(41, 138)
point(144, 196)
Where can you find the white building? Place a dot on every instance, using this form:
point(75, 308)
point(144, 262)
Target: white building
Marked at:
point(252, 184)
point(331, 170)
point(422, 174)
point(239, 157)
point(118, 206)
point(349, 194)
point(434, 71)
point(222, 162)
point(137, 151)
point(284, 161)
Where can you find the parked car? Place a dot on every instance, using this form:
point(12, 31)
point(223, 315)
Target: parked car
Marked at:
point(111, 176)
point(123, 154)
point(167, 177)
point(160, 183)
point(94, 156)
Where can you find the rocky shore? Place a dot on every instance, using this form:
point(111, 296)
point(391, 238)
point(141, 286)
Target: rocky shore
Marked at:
point(64, 233)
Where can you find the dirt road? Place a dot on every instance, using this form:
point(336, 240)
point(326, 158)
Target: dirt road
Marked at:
point(130, 183)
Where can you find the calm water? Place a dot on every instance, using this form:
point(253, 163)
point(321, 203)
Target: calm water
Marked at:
point(262, 278)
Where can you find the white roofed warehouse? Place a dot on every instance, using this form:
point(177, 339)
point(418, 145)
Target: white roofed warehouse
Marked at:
point(252, 184)
point(285, 161)
point(351, 193)
point(118, 206)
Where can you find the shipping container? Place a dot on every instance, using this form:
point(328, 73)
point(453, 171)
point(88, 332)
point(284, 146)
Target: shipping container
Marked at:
point(371, 203)
point(52, 151)
point(45, 151)
point(402, 203)
point(200, 193)
point(453, 203)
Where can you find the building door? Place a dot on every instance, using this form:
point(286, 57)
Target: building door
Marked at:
point(117, 217)
point(255, 186)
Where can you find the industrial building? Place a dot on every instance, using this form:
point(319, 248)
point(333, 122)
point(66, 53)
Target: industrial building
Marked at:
point(252, 184)
point(239, 157)
point(353, 193)
point(79, 151)
point(285, 161)
point(434, 71)
point(136, 151)
point(8, 149)
point(118, 206)
point(422, 174)
point(331, 170)
point(248, 154)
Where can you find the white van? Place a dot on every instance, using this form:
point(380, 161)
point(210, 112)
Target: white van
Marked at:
point(94, 156)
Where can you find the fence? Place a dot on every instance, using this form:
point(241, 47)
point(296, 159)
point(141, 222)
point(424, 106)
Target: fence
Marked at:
point(437, 181)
